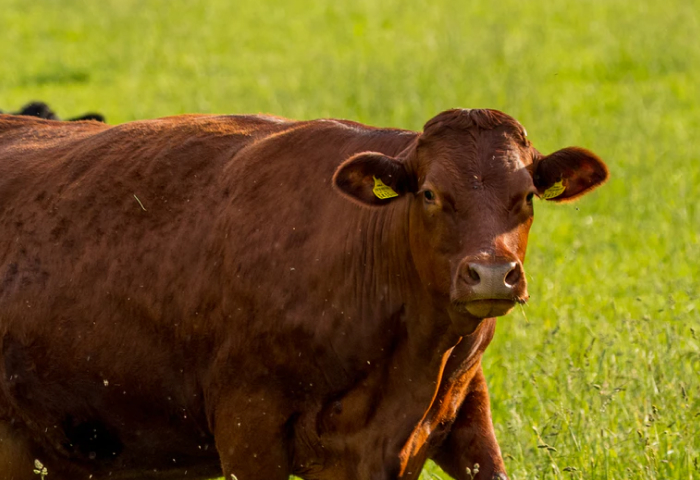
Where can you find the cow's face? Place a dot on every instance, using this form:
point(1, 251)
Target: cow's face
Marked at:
point(470, 181)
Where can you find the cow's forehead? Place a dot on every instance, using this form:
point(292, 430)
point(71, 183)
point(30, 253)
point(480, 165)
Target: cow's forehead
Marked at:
point(495, 156)
point(474, 142)
point(471, 120)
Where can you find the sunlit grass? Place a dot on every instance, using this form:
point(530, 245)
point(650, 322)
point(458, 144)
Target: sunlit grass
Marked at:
point(598, 376)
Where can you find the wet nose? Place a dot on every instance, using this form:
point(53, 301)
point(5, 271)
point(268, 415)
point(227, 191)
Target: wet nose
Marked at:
point(492, 281)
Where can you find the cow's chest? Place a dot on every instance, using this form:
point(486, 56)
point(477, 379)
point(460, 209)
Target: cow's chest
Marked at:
point(388, 424)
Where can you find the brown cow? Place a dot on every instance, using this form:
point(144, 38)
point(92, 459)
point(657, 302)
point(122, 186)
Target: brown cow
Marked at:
point(258, 297)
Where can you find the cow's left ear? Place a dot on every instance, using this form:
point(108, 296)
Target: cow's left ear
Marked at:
point(568, 174)
point(373, 179)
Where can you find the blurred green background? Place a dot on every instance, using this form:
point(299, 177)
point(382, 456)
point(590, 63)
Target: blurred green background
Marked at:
point(599, 377)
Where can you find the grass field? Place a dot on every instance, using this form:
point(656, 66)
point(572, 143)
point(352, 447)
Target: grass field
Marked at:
point(599, 377)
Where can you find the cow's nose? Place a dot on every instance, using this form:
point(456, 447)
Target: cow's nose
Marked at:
point(488, 289)
point(492, 281)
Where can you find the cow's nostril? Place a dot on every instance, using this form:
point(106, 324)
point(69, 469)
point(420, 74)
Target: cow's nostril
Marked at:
point(513, 276)
point(473, 274)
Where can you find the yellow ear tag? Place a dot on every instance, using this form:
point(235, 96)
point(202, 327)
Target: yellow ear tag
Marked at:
point(554, 191)
point(383, 191)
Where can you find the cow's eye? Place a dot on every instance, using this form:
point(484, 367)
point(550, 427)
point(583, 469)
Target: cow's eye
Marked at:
point(429, 196)
point(528, 199)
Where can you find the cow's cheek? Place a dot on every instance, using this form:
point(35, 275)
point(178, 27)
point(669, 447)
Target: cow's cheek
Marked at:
point(518, 238)
point(431, 248)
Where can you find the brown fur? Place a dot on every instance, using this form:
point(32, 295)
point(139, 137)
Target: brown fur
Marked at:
point(192, 296)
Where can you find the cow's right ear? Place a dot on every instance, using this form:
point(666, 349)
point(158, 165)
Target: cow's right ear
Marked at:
point(373, 179)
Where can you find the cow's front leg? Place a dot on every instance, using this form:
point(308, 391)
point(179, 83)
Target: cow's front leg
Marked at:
point(251, 440)
point(472, 440)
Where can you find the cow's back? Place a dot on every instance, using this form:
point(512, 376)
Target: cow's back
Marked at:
point(84, 206)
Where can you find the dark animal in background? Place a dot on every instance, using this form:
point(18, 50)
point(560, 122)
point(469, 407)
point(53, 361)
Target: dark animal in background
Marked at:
point(42, 110)
point(257, 297)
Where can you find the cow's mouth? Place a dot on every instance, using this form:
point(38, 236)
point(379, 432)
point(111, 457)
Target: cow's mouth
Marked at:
point(489, 308)
point(486, 308)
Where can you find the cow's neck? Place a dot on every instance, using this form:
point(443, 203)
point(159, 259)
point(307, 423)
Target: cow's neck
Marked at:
point(398, 326)
point(386, 286)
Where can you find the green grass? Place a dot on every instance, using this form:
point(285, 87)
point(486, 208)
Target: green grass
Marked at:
point(598, 378)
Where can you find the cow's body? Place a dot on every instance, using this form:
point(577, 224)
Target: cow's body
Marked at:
point(190, 296)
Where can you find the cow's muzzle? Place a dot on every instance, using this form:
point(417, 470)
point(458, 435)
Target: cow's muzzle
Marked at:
point(489, 289)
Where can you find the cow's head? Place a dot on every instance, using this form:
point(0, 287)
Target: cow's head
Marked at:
point(469, 182)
